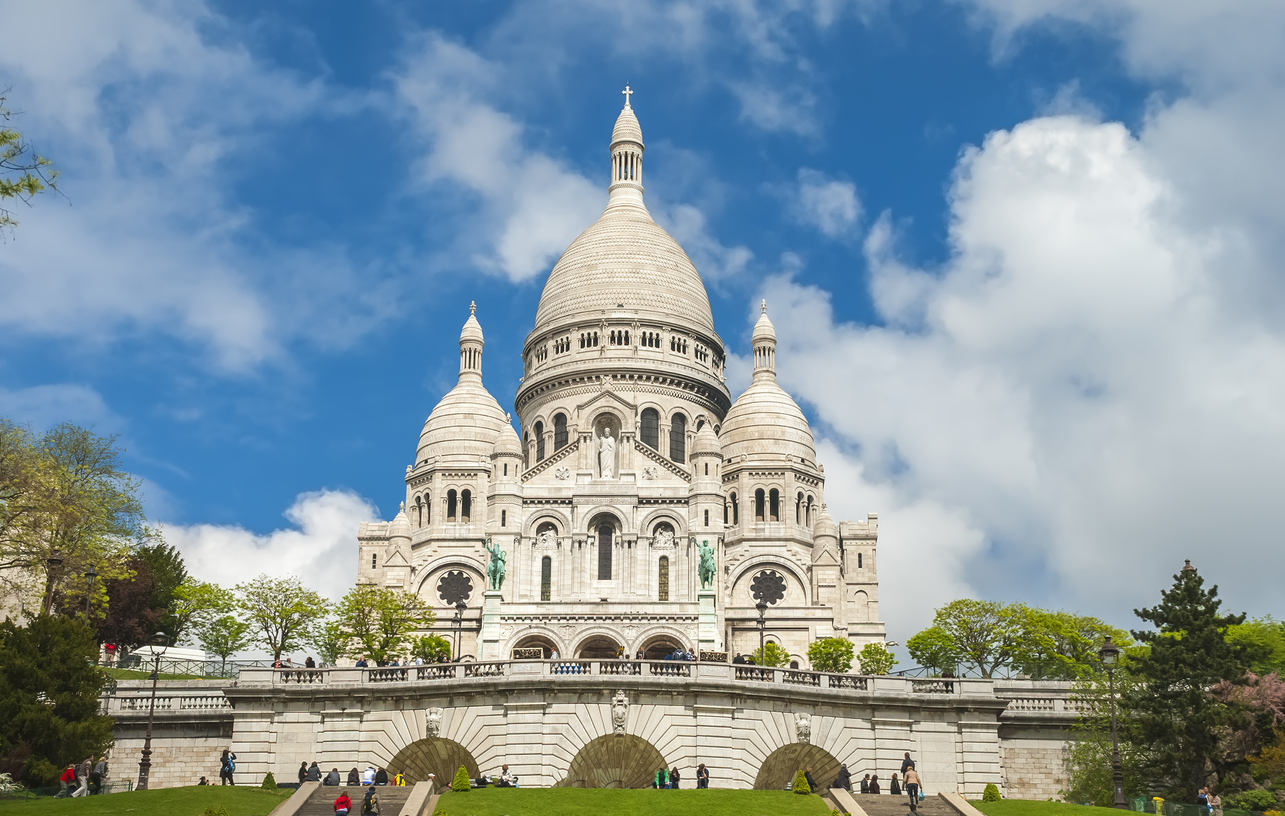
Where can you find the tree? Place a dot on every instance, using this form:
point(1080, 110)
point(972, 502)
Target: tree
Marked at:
point(1089, 751)
point(24, 174)
point(461, 782)
point(1060, 645)
point(801, 785)
point(224, 636)
point(431, 648)
point(168, 574)
point(282, 612)
point(130, 620)
point(194, 605)
point(771, 655)
point(1264, 640)
point(1188, 655)
point(381, 620)
point(331, 642)
point(830, 655)
point(49, 707)
point(935, 650)
point(875, 659)
point(985, 633)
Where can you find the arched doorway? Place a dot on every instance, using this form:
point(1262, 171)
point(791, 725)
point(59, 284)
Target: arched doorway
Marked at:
point(440, 757)
point(541, 642)
point(656, 648)
point(614, 761)
point(781, 765)
point(598, 647)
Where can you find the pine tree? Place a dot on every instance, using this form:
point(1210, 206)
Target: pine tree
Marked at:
point(1172, 704)
point(801, 783)
point(461, 780)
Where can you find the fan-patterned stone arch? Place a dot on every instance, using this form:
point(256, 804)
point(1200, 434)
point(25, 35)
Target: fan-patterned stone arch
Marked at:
point(435, 755)
point(781, 766)
point(614, 761)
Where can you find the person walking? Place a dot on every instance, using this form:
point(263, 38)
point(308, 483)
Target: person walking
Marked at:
point(912, 786)
point(844, 779)
point(371, 803)
point(702, 777)
point(673, 778)
point(812, 783)
point(99, 776)
point(227, 767)
point(342, 805)
point(894, 787)
point(82, 778)
point(67, 780)
point(874, 784)
point(907, 764)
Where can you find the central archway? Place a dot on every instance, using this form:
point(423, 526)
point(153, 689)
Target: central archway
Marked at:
point(614, 761)
point(780, 767)
point(437, 756)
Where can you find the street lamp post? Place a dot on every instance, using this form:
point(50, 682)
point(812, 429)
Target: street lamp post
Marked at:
point(52, 562)
point(1109, 654)
point(460, 606)
point(145, 764)
point(761, 606)
point(89, 589)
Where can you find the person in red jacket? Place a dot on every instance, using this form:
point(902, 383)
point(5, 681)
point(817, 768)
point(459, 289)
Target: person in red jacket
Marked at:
point(342, 805)
point(67, 779)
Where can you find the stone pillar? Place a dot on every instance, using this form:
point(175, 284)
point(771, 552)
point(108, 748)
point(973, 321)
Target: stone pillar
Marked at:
point(490, 634)
point(707, 631)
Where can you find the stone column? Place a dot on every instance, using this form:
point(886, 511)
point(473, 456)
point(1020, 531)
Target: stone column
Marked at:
point(489, 637)
point(707, 628)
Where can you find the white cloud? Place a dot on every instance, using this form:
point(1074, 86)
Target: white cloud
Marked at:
point(777, 108)
point(43, 406)
point(320, 548)
point(829, 205)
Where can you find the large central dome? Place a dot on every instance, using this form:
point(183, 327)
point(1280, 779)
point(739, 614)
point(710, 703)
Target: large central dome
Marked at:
point(625, 260)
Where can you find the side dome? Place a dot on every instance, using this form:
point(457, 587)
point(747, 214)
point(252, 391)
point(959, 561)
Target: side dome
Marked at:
point(507, 442)
point(464, 424)
point(400, 527)
point(706, 441)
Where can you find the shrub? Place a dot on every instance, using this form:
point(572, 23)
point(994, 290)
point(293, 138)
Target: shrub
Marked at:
point(1252, 800)
point(801, 784)
point(991, 793)
point(269, 782)
point(213, 811)
point(461, 780)
point(7, 785)
point(830, 655)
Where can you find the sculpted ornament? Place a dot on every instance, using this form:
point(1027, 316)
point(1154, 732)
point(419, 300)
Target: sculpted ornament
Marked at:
point(664, 539)
point(803, 725)
point(563, 473)
point(434, 722)
point(546, 540)
point(650, 472)
point(606, 455)
point(619, 712)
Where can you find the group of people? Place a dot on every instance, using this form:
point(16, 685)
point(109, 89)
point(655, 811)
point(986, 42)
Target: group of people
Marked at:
point(369, 803)
point(83, 779)
point(668, 780)
point(908, 784)
point(1210, 801)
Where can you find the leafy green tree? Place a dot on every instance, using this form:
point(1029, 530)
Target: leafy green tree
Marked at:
point(1089, 750)
point(381, 620)
point(224, 636)
point(129, 620)
point(771, 655)
point(935, 650)
point(331, 642)
point(49, 688)
point(431, 648)
point(168, 574)
point(830, 655)
point(24, 174)
point(1189, 654)
point(195, 604)
point(1264, 641)
point(460, 784)
point(283, 614)
point(986, 634)
point(1060, 645)
point(875, 659)
point(801, 785)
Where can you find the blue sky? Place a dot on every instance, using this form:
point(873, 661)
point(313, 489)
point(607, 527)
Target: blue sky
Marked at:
point(1023, 257)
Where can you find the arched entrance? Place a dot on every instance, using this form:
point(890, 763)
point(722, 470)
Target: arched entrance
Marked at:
point(541, 642)
point(614, 761)
point(598, 647)
point(781, 765)
point(440, 757)
point(656, 648)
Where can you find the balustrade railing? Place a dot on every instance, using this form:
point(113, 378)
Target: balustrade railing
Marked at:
point(172, 703)
point(932, 686)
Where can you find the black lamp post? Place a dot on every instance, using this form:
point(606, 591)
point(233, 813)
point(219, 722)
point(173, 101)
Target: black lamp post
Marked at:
point(1109, 654)
point(145, 764)
point(89, 589)
point(460, 606)
point(53, 562)
point(761, 606)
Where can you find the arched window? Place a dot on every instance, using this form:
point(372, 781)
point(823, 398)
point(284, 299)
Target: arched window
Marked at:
point(466, 502)
point(539, 441)
point(650, 431)
point(678, 438)
point(559, 431)
point(758, 504)
point(858, 560)
point(706, 518)
point(727, 512)
point(546, 578)
point(419, 512)
point(663, 580)
point(774, 506)
point(807, 519)
point(504, 518)
point(428, 508)
point(605, 532)
point(526, 450)
point(798, 510)
point(450, 505)
point(736, 511)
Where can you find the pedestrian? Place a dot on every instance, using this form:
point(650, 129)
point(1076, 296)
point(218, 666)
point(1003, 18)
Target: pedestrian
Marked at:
point(368, 775)
point(332, 778)
point(661, 782)
point(874, 784)
point(303, 772)
point(342, 805)
point(99, 776)
point(1215, 805)
point(907, 764)
point(67, 780)
point(894, 787)
point(82, 778)
point(912, 785)
point(844, 779)
point(354, 777)
point(203, 781)
point(371, 802)
point(812, 783)
point(673, 778)
point(865, 783)
point(739, 659)
point(1202, 799)
point(702, 777)
point(227, 767)
point(310, 663)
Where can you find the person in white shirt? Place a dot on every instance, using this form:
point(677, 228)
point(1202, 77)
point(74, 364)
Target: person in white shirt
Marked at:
point(368, 778)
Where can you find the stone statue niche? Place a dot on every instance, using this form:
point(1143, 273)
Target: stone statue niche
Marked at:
point(606, 447)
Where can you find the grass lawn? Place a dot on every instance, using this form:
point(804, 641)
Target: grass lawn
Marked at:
point(1022, 807)
point(239, 801)
point(135, 674)
point(600, 802)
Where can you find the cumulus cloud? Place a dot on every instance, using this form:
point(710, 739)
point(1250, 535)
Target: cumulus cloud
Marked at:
point(320, 546)
point(827, 204)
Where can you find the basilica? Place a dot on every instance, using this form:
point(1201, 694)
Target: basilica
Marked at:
point(580, 533)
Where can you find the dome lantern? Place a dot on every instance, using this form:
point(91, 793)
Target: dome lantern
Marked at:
point(764, 342)
point(626, 188)
point(471, 344)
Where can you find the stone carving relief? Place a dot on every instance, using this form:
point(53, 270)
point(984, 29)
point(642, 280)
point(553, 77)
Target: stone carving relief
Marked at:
point(455, 586)
point(546, 540)
point(803, 725)
point(434, 722)
point(619, 712)
point(663, 539)
point(650, 472)
point(562, 474)
point(606, 454)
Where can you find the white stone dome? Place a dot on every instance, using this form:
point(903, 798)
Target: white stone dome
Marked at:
point(507, 442)
point(400, 527)
point(765, 422)
point(706, 441)
point(627, 128)
point(464, 424)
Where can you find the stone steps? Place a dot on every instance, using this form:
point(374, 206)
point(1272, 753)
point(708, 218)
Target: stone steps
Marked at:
point(886, 805)
point(322, 802)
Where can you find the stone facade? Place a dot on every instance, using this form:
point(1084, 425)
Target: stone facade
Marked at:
point(631, 456)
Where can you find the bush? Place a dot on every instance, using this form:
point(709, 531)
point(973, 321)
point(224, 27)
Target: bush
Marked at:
point(269, 782)
point(1251, 800)
point(212, 811)
point(461, 780)
point(830, 655)
point(991, 793)
point(801, 784)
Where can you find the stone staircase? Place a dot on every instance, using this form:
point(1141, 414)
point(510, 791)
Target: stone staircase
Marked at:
point(322, 801)
point(886, 805)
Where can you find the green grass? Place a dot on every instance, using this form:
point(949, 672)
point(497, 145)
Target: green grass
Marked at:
point(1023, 807)
point(192, 801)
point(599, 802)
point(135, 674)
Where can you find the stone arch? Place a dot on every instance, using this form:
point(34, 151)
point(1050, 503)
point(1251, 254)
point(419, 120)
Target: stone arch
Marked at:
point(761, 562)
point(541, 632)
point(780, 767)
point(534, 520)
point(658, 515)
point(433, 572)
point(602, 644)
point(436, 755)
point(541, 641)
point(614, 761)
point(601, 515)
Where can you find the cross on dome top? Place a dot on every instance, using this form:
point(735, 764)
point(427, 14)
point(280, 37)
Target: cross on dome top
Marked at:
point(763, 306)
point(472, 307)
point(628, 93)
